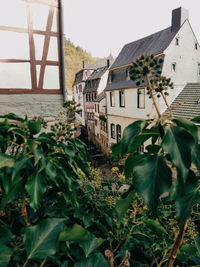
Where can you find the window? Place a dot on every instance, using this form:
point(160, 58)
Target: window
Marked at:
point(110, 77)
point(98, 108)
point(127, 74)
point(177, 41)
point(112, 130)
point(121, 99)
point(198, 70)
point(112, 99)
point(80, 88)
point(174, 67)
point(196, 46)
point(140, 149)
point(118, 131)
point(141, 98)
point(86, 97)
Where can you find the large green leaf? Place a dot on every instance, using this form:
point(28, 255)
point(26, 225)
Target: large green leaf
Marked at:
point(91, 244)
point(122, 206)
point(179, 143)
point(130, 133)
point(76, 233)
point(5, 254)
point(189, 126)
point(138, 141)
point(152, 177)
point(197, 243)
point(156, 227)
point(130, 162)
point(96, 260)
point(12, 190)
point(5, 234)
point(41, 240)
point(196, 156)
point(35, 188)
point(6, 161)
point(186, 196)
point(34, 126)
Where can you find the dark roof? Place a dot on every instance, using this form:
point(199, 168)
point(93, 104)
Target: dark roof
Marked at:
point(152, 44)
point(100, 63)
point(97, 74)
point(93, 80)
point(187, 103)
point(78, 77)
point(100, 97)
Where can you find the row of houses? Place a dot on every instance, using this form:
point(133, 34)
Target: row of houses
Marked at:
point(110, 100)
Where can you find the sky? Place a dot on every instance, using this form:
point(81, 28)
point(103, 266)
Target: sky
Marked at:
point(102, 27)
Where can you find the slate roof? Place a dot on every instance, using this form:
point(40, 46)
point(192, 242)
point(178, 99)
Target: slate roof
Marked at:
point(153, 44)
point(78, 77)
point(100, 97)
point(95, 76)
point(187, 103)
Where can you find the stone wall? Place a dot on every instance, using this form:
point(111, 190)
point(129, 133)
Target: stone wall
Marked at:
point(46, 106)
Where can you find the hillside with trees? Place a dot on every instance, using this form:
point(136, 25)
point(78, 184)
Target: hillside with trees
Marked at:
point(74, 56)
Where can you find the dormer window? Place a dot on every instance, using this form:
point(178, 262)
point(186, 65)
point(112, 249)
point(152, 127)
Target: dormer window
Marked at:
point(173, 69)
point(110, 77)
point(177, 41)
point(198, 69)
point(127, 74)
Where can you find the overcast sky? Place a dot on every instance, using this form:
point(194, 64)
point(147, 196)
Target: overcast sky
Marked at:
point(104, 26)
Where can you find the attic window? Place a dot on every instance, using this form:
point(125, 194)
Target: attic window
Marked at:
point(173, 67)
point(177, 41)
point(127, 74)
point(198, 70)
point(196, 46)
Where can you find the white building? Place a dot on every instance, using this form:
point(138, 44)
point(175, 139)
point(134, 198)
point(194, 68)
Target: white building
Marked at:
point(180, 50)
point(78, 88)
point(100, 119)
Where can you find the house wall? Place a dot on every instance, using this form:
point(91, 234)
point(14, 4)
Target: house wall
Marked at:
point(103, 82)
point(130, 110)
point(122, 121)
point(185, 56)
point(78, 97)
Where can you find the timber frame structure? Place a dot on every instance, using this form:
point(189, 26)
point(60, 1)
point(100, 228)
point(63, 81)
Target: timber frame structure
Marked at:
point(37, 80)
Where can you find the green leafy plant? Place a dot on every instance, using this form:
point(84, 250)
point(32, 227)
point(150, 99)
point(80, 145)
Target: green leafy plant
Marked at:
point(168, 170)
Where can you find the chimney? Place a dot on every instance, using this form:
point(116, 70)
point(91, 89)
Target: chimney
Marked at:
point(179, 16)
point(83, 64)
point(108, 63)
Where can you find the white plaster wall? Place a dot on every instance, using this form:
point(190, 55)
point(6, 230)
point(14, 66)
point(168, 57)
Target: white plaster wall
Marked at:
point(46, 106)
point(78, 97)
point(123, 121)
point(103, 82)
point(130, 110)
point(185, 55)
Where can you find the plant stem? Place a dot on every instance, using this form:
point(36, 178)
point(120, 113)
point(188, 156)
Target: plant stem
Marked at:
point(26, 262)
point(43, 263)
point(177, 244)
point(152, 96)
point(166, 103)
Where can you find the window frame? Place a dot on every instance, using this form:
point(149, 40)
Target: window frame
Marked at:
point(112, 99)
point(173, 67)
point(139, 105)
point(112, 130)
point(122, 105)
